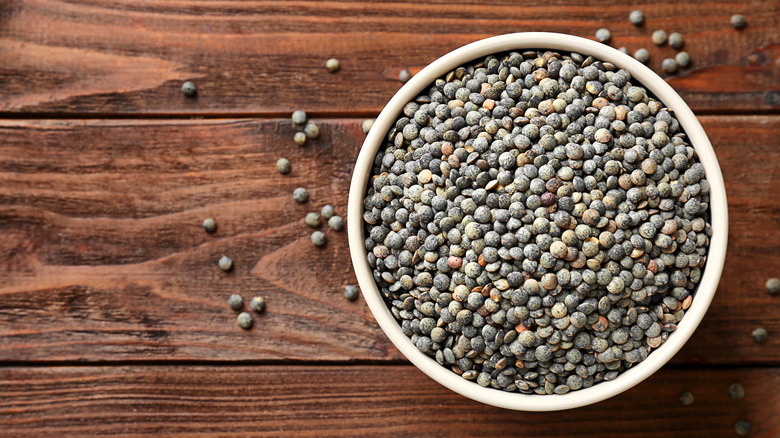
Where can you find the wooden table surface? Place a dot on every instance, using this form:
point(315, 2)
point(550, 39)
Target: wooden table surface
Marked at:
point(113, 314)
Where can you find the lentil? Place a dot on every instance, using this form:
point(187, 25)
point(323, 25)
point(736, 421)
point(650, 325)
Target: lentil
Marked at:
point(669, 65)
point(210, 225)
point(742, 428)
point(367, 125)
point(283, 165)
point(189, 90)
point(244, 320)
point(760, 335)
point(736, 391)
point(404, 75)
point(225, 263)
point(532, 219)
point(351, 292)
point(686, 398)
point(313, 220)
point(773, 286)
point(333, 65)
point(636, 17)
point(683, 59)
point(659, 37)
point(235, 302)
point(318, 238)
point(336, 223)
point(300, 195)
point(300, 138)
point(603, 35)
point(257, 304)
point(738, 21)
point(299, 117)
point(327, 212)
point(312, 131)
point(642, 55)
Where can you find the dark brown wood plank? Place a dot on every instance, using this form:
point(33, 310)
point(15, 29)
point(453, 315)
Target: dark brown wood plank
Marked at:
point(359, 401)
point(259, 57)
point(105, 258)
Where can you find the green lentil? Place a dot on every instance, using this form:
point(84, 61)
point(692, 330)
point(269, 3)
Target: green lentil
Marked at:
point(624, 50)
point(327, 212)
point(336, 223)
point(351, 292)
point(760, 335)
point(659, 37)
point(312, 131)
point(299, 117)
point(683, 59)
point(736, 391)
point(257, 304)
point(333, 65)
point(742, 428)
point(225, 263)
point(686, 398)
point(244, 320)
point(676, 40)
point(773, 286)
point(636, 17)
point(300, 195)
point(404, 75)
point(738, 21)
point(235, 302)
point(366, 125)
point(603, 35)
point(313, 220)
point(669, 65)
point(283, 165)
point(642, 55)
point(318, 238)
point(300, 138)
point(189, 90)
point(210, 225)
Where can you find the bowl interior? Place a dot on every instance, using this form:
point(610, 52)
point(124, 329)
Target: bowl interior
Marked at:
point(697, 138)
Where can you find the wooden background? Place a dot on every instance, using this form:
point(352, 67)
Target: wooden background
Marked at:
point(113, 314)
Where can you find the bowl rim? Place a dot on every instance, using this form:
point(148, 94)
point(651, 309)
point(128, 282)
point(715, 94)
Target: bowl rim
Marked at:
point(697, 138)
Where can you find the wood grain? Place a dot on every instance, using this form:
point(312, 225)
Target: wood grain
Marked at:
point(91, 57)
point(358, 401)
point(105, 258)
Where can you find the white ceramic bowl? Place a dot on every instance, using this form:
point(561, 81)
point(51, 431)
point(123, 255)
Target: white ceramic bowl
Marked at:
point(641, 74)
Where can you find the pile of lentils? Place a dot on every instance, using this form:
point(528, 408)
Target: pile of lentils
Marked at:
point(537, 222)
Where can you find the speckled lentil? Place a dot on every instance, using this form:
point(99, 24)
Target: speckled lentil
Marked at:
point(366, 125)
point(244, 320)
point(686, 398)
point(313, 220)
point(642, 55)
point(760, 335)
point(299, 117)
point(773, 286)
point(333, 65)
point(683, 59)
point(736, 391)
point(603, 35)
point(318, 238)
point(738, 21)
point(210, 225)
point(312, 131)
point(351, 292)
point(300, 195)
point(225, 263)
point(404, 75)
point(283, 165)
point(188, 89)
point(235, 302)
point(327, 211)
point(676, 40)
point(257, 304)
point(636, 17)
point(300, 138)
point(525, 210)
point(669, 65)
point(659, 37)
point(742, 428)
point(336, 223)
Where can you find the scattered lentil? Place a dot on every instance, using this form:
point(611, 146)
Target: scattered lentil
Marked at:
point(327, 212)
point(336, 223)
point(686, 398)
point(300, 138)
point(210, 225)
point(773, 286)
point(736, 391)
point(244, 320)
point(257, 304)
point(659, 37)
point(738, 21)
point(683, 59)
point(300, 195)
point(313, 220)
point(318, 238)
point(225, 263)
point(235, 302)
point(676, 40)
point(404, 75)
point(283, 165)
point(624, 50)
point(333, 65)
point(603, 35)
point(366, 125)
point(312, 131)
point(669, 65)
point(642, 55)
point(742, 428)
point(636, 17)
point(189, 90)
point(760, 335)
point(299, 117)
point(351, 292)
point(522, 221)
